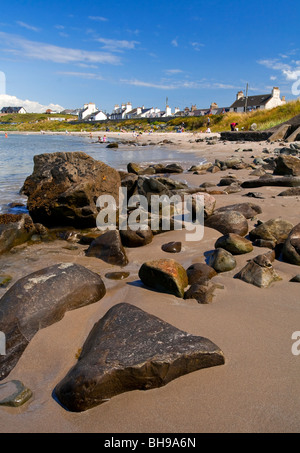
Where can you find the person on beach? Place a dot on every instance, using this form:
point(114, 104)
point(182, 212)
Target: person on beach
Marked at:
point(233, 126)
point(208, 121)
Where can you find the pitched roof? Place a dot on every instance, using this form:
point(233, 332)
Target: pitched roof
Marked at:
point(11, 109)
point(252, 101)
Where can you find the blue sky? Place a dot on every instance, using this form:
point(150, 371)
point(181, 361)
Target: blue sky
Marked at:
point(68, 53)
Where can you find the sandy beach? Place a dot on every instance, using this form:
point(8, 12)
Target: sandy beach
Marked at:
point(257, 390)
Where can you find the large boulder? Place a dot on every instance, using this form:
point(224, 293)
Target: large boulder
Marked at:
point(64, 187)
point(41, 299)
point(275, 230)
point(164, 275)
point(235, 244)
point(138, 238)
point(129, 349)
point(200, 273)
point(291, 247)
point(15, 229)
point(109, 248)
point(287, 166)
point(221, 260)
point(259, 272)
point(249, 210)
point(228, 222)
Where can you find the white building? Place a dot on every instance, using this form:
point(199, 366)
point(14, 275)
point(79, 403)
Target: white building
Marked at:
point(262, 101)
point(88, 109)
point(119, 113)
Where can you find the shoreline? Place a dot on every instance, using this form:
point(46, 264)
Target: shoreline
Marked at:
point(255, 391)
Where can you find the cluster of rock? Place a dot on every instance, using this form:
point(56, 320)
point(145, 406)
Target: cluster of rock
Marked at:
point(128, 348)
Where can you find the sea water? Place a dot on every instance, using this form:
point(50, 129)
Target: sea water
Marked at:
point(17, 152)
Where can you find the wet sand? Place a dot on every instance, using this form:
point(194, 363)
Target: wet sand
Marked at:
point(257, 390)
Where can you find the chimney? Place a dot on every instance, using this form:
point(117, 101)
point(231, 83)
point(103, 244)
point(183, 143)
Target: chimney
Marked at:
point(116, 106)
point(214, 106)
point(138, 110)
point(283, 99)
point(239, 95)
point(276, 92)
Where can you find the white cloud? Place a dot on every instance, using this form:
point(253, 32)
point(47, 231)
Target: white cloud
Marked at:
point(273, 77)
point(117, 45)
point(140, 83)
point(82, 75)
point(197, 45)
point(56, 54)
point(30, 106)
point(174, 42)
point(173, 71)
point(27, 26)
point(98, 18)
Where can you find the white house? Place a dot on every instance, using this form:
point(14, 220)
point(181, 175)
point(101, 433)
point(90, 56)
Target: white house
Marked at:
point(88, 109)
point(99, 115)
point(13, 110)
point(262, 101)
point(119, 113)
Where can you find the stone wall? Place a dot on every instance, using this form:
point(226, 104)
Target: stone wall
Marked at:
point(251, 136)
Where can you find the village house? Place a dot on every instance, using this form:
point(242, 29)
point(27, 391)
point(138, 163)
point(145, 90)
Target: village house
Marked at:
point(262, 101)
point(88, 109)
point(6, 110)
point(119, 113)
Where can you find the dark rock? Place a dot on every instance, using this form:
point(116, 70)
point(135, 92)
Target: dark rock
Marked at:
point(172, 247)
point(171, 184)
point(41, 299)
point(137, 238)
point(264, 243)
point(202, 293)
point(14, 394)
point(254, 195)
point(228, 180)
point(117, 275)
point(200, 273)
point(292, 192)
point(64, 187)
point(130, 183)
point(129, 349)
point(112, 145)
point(286, 181)
point(287, 165)
point(291, 247)
point(275, 230)
point(228, 222)
point(15, 229)
point(296, 278)
point(221, 260)
point(235, 244)
point(164, 275)
point(108, 247)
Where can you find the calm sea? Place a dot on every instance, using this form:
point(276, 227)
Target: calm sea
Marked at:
point(17, 151)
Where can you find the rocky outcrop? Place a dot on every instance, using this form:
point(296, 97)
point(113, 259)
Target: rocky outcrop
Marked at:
point(64, 187)
point(129, 349)
point(109, 248)
point(164, 275)
point(15, 229)
point(291, 247)
point(41, 299)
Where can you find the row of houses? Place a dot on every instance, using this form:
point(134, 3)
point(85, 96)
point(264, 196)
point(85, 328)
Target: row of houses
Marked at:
point(242, 103)
point(125, 111)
